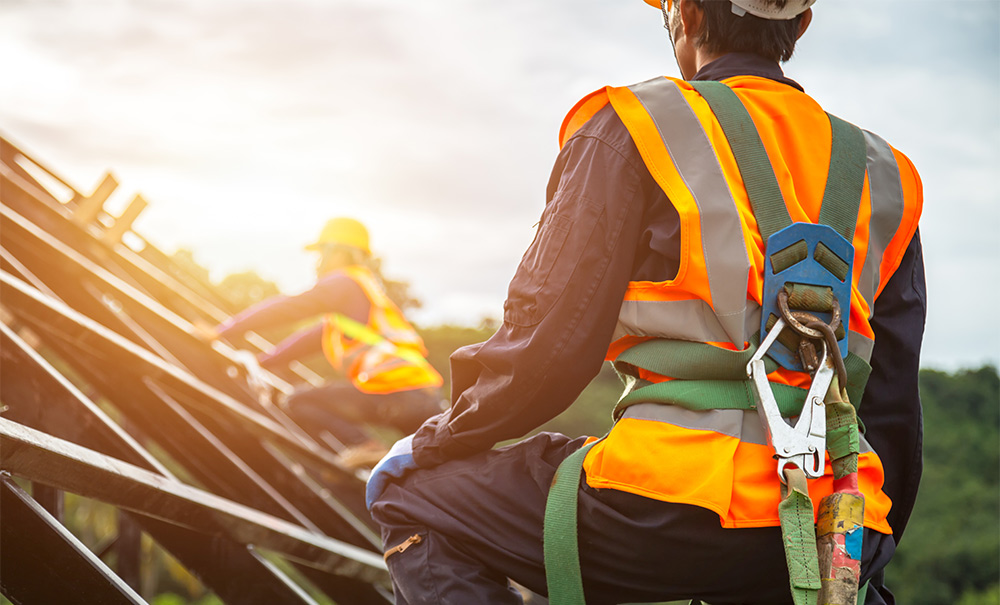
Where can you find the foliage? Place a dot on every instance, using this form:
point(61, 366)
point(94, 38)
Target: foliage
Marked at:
point(590, 414)
point(96, 525)
point(442, 341)
point(955, 528)
point(397, 290)
point(246, 288)
point(184, 259)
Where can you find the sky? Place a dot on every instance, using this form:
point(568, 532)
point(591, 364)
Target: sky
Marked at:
point(248, 123)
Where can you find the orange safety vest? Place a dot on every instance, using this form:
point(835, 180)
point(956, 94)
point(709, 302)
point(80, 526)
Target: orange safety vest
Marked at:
point(719, 459)
point(384, 355)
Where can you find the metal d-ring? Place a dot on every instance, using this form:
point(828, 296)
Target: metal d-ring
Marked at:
point(795, 319)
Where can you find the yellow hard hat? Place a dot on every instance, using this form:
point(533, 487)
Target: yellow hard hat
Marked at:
point(342, 232)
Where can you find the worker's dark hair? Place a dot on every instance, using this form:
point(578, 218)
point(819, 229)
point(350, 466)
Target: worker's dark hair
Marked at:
point(725, 32)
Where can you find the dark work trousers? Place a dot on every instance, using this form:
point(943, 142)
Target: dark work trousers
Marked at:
point(340, 408)
point(480, 520)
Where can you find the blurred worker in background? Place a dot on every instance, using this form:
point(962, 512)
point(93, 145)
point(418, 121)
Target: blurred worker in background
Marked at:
point(651, 254)
point(386, 379)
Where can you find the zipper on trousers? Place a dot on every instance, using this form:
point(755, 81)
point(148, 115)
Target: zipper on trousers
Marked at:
point(414, 539)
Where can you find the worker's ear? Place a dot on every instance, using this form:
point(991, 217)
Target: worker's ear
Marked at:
point(692, 18)
point(804, 22)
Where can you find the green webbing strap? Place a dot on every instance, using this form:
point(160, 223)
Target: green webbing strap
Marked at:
point(846, 178)
point(858, 371)
point(863, 593)
point(751, 157)
point(703, 395)
point(795, 512)
point(687, 360)
point(714, 378)
point(559, 541)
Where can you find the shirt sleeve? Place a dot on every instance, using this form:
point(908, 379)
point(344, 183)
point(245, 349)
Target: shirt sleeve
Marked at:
point(303, 344)
point(562, 304)
point(334, 293)
point(890, 408)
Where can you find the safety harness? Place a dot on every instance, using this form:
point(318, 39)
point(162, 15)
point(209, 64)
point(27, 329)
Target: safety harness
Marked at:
point(808, 276)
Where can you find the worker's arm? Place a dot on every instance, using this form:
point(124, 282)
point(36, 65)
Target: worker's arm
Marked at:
point(334, 293)
point(301, 345)
point(890, 407)
point(562, 304)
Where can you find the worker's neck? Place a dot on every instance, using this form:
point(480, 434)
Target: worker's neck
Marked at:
point(703, 58)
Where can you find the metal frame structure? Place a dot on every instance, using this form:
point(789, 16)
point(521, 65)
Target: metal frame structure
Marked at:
point(99, 361)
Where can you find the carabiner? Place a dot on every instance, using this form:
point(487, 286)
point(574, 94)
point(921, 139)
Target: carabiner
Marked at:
point(803, 444)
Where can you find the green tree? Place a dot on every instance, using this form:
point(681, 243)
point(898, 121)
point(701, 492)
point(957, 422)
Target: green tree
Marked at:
point(951, 550)
point(397, 290)
point(443, 340)
point(184, 258)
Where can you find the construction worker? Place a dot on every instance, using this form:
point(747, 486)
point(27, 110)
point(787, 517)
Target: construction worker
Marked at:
point(363, 335)
point(650, 241)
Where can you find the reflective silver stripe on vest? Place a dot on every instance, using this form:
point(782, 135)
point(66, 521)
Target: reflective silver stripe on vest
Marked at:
point(721, 232)
point(679, 319)
point(887, 212)
point(860, 345)
point(740, 424)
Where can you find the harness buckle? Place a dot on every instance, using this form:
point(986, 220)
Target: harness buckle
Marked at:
point(808, 255)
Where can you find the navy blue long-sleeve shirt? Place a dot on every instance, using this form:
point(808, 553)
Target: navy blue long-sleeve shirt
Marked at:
point(606, 222)
point(335, 292)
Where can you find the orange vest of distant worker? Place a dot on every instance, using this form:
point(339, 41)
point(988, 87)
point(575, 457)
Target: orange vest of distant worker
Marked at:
point(384, 355)
point(719, 459)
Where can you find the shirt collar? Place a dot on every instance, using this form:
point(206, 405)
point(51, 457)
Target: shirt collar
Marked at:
point(744, 64)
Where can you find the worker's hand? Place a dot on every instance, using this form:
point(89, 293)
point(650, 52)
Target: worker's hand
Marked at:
point(204, 331)
point(394, 465)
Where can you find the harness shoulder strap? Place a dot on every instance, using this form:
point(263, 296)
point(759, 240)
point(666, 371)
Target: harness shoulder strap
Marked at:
point(751, 157)
point(845, 179)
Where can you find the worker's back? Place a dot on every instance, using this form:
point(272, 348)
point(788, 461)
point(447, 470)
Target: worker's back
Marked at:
point(721, 457)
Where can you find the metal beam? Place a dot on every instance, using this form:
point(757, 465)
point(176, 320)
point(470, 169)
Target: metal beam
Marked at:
point(36, 456)
point(43, 562)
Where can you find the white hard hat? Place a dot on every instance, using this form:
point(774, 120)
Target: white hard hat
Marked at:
point(765, 9)
point(770, 9)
